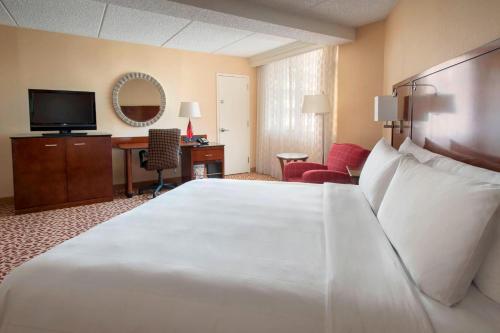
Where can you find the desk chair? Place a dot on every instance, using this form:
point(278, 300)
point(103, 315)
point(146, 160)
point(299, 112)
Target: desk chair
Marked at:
point(163, 153)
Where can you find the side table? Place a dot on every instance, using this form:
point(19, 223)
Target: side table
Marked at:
point(285, 158)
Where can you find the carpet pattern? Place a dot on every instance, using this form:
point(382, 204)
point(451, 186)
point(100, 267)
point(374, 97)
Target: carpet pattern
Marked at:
point(25, 236)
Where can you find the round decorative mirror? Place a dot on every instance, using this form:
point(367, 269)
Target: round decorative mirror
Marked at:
point(138, 99)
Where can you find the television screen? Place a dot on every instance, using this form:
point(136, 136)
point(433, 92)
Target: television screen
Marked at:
point(61, 110)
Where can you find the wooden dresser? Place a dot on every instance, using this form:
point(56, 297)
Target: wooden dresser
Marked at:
point(56, 172)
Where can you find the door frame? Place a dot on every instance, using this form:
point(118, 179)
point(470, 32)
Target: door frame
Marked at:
point(247, 77)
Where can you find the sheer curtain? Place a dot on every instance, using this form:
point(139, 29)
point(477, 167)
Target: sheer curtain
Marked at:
point(281, 125)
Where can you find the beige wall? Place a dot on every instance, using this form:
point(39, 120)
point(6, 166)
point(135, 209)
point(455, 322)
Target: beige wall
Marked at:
point(35, 59)
point(360, 78)
point(424, 33)
point(415, 36)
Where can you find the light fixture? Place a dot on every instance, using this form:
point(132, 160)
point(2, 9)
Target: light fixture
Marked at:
point(386, 108)
point(189, 110)
point(317, 104)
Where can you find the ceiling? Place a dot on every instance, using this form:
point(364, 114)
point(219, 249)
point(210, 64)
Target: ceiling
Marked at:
point(232, 27)
point(351, 13)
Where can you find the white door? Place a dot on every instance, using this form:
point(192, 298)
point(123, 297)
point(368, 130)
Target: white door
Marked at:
point(233, 127)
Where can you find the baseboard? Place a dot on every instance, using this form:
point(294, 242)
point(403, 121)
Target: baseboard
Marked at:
point(7, 201)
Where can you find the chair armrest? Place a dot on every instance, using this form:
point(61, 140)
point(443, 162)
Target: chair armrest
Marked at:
point(143, 158)
point(296, 169)
point(326, 176)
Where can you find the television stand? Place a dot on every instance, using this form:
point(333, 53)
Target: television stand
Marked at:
point(58, 172)
point(63, 133)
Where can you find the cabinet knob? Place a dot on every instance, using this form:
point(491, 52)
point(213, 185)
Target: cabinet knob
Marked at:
point(209, 155)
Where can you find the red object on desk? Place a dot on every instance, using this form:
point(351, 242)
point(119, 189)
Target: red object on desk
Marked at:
point(189, 131)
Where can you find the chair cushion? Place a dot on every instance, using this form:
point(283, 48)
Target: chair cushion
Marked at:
point(440, 225)
point(346, 154)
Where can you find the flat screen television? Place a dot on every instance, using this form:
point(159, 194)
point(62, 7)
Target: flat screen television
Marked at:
point(63, 111)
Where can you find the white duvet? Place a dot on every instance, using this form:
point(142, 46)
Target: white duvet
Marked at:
point(222, 256)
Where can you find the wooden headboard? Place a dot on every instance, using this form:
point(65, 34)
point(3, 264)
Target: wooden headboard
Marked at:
point(454, 109)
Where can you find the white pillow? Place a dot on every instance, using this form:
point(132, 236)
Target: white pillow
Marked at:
point(440, 224)
point(488, 276)
point(377, 172)
point(462, 169)
point(421, 154)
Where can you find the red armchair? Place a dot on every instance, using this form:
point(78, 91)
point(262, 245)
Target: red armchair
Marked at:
point(335, 171)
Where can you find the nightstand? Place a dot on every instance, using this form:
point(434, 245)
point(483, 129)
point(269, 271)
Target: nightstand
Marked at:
point(354, 174)
point(211, 156)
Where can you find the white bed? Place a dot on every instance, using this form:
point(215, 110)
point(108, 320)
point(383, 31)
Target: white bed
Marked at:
point(226, 256)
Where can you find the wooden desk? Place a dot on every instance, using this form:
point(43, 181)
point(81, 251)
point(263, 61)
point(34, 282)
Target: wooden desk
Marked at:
point(192, 153)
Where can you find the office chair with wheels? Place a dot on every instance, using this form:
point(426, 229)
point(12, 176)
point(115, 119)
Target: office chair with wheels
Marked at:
point(163, 153)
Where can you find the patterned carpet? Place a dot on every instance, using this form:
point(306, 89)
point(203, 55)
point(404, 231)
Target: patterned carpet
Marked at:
point(23, 237)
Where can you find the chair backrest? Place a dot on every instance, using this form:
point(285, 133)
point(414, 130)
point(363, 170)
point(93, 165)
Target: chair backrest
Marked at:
point(346, 154)
point(163, 150)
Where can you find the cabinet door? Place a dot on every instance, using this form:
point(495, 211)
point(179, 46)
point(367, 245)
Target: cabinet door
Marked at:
point(89, 168)
point(39, 171)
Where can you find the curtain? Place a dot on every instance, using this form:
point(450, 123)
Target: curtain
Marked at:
point(281, 125)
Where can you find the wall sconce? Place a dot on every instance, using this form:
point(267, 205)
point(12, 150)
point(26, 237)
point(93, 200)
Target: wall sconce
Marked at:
point(386, 109)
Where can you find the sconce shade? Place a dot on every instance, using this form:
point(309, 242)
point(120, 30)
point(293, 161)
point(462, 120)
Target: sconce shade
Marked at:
point(386, 108)
point(315, 104)
point(189, 110)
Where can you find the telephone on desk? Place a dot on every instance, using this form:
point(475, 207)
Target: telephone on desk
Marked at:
point(202, 141)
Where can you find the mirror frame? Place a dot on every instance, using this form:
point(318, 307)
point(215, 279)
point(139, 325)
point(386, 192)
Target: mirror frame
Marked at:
point(116, 93)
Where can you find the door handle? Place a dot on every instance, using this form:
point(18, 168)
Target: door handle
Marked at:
point(224, 130)
point(52, 145)
point(79, 144)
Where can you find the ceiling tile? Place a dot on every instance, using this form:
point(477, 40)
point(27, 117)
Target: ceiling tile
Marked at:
point(5, 17)
point(205, 37)
point(79, 17)
point(133, 25)
point(254, 44)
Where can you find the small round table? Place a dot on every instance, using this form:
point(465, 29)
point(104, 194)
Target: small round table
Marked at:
point(285, 158)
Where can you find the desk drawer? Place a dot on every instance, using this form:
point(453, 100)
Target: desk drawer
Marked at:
point(208, 154)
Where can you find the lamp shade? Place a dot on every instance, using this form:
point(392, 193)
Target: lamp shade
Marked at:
point(386, 108)
point(315, 104)
point(189, 110)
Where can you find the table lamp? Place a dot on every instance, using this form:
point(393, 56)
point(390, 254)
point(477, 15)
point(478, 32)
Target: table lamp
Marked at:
point(189, 110)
